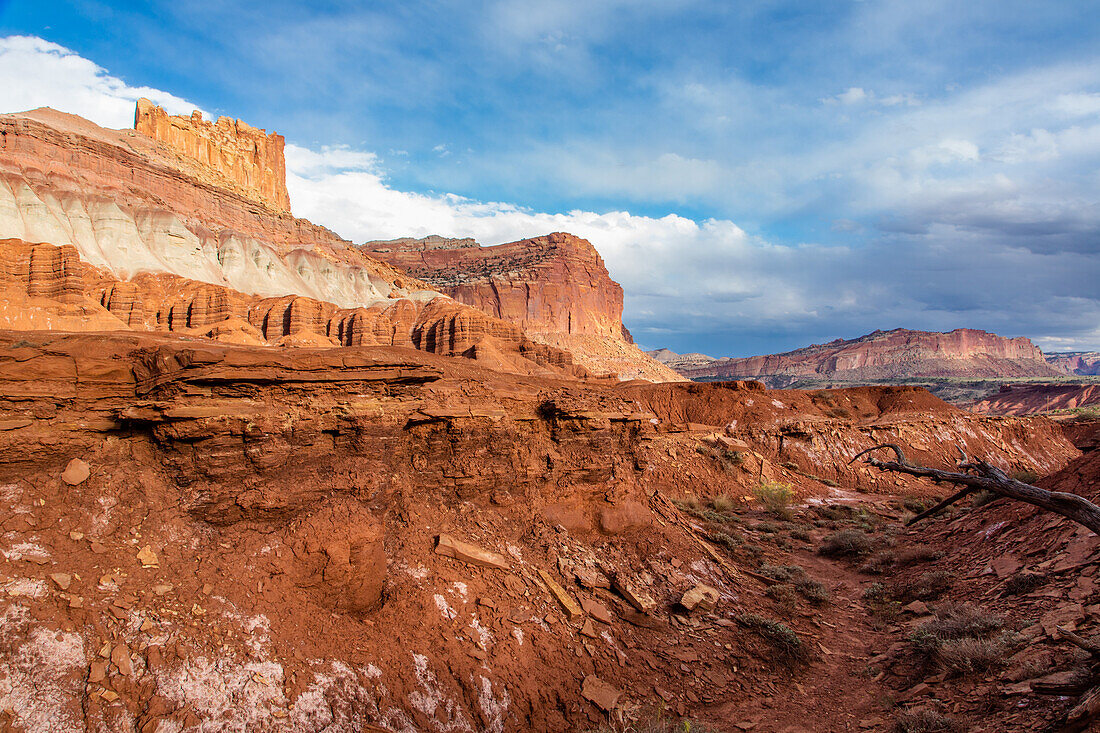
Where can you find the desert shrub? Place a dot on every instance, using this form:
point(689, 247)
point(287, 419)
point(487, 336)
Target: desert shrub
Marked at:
point(971, 655)
point(915, 555)
point(879, 563)
point(726, 540)
point(829, 482)
point(726, 459)
point(1026, 476)
point(722, 503)
point(782, 573)
point(914, 504)
point(930, 586)
point(924, 720)
point(632, 719)
point(846, 543)
point(1024, 583)
point(876, 593)
point(964, 639)
point(783, 593)
point(813, 591)
point(780, 636)
point(801, 533)
point(775, 496)
point(983, 497)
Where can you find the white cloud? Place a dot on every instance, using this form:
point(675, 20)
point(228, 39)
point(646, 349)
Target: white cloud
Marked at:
point(36, 73)
point(852, 95)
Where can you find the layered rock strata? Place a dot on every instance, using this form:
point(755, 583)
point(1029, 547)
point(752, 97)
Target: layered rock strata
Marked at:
point(897, 354)
point(247, 159)
point(556, 288)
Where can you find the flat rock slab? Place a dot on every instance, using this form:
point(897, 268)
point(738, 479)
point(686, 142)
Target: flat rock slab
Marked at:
point(76, 473)
point(603, 694)
point(450, 547)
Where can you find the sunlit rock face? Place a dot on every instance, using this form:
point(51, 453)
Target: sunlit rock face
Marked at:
point(131, 203)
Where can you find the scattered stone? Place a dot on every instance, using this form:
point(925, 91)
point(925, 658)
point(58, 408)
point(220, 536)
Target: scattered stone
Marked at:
point(162, 588)
point(591, 578)
point(147, 557)
point(76, 473)
point(109, 695)
point(597, 610)
point(633, 595)
point(919, 608)
point(572, 610)
point(701, 597)
point(120, 657)
point(450, 547)
point(76, 535)
point(1005, 565)
point(487, 602)
point(1068, 616)
point(63, 580)
point(604, 695)
point(197, 610)
point(76, 602)
point(588, 629)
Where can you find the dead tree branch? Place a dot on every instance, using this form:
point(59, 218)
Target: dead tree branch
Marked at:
point(981, 475)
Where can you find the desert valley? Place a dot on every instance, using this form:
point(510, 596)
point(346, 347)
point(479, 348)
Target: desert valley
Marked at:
point(260, 477)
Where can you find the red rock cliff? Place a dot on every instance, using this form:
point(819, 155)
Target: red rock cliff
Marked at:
point(895, 354)
point(552, 284)
point(248, 158)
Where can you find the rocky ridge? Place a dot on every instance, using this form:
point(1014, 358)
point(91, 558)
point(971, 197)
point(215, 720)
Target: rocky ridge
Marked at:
point(887, 355)
point(1076, 362)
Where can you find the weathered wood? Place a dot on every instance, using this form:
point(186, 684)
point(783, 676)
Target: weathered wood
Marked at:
point(993, 479)
point(939, 507)
point(1079, 641)
point(1085, 711)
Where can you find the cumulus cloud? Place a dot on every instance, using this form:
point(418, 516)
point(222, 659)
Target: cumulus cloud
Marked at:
point(37, 73)
point(962, 211)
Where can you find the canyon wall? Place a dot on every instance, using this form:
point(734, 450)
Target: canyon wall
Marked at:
point(1076, 362)
point(555, 287)
point(246, 158)
point(896, 354)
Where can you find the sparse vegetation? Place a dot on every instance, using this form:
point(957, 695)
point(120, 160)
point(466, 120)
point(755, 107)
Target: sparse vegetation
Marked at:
point(775, 497)
point(983, 497)
point(726, 459)
point(632, 719)
point(780, 636)
point(924, 720)
point(813, 591)
point(964, 639)
point(1024, 582)
point(930, 586)
point(1025, 476)
point(784, 594)
point(847, 543)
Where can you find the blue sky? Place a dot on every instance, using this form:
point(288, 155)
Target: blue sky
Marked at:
point(758, 175)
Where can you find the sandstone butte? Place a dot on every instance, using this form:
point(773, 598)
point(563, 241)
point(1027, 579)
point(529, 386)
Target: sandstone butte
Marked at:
point(182, 225)
point(556, 288)
point(884, 355)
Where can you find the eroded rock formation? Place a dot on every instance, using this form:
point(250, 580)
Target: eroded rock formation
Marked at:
point(1076, 362)
point(556, 288)
point(248, 159)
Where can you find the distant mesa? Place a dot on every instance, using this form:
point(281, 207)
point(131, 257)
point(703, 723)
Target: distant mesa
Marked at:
point(881, 356)
point(1085, 363)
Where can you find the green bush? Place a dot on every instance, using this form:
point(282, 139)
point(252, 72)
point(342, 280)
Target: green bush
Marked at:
point(776, 497)
point(924, 720)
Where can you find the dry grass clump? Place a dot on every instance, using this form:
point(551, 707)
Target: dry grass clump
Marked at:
point(924, 720)
point(781, 637)
point(965, 640)
point(813, 591)
point(847, 543)
point(633, 719)
point(1024, 583)
point(775, 497)
point(782, 573)
point(930, 586)
point(726, 459)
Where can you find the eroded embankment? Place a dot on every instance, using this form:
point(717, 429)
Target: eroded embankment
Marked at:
point(249, 538)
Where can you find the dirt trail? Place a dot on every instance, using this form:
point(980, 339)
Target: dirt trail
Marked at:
point(837, 690)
